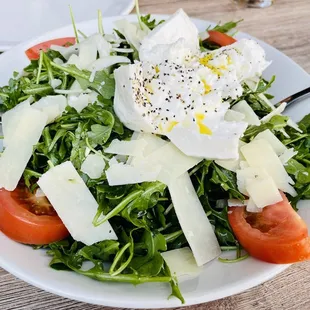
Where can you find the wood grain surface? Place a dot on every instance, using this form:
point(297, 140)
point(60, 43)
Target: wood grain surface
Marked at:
point(286, 26)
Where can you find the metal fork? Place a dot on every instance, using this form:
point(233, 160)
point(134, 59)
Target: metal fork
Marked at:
point(296, 97)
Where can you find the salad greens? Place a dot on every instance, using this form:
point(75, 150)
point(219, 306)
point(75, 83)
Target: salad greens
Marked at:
point(142, 215)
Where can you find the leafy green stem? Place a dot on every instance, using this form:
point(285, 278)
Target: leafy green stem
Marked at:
point(227, 260)
point(40, 66)
point(129, 198)
point(172, 236)
point(118, 257)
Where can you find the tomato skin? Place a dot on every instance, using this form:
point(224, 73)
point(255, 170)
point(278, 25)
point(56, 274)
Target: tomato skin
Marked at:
point(219, 38)
point(23, 226)
point(33, 53)
point(276, 235)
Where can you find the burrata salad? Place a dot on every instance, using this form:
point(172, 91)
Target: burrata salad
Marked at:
point(147, 151)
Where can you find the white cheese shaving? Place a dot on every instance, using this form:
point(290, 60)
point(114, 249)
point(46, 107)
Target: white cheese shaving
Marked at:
point(93, 166)
point(232, 164)
point(26, 134)
point(131, 148)
point(287, 155)
point(53, 106)
point(249, 115)
point(11, 118)
point(171, 160)
point(251, 207)
point(259, 153)
point(79, 102)
point(121, 174)
point(107, 61)
point(275, 143)
point(193, 220)
point(263, 191)
point(181, 262)
point(74, 204)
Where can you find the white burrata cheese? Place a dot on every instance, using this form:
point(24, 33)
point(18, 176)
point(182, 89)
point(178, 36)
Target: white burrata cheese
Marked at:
point(185, 96)
point(173, 39)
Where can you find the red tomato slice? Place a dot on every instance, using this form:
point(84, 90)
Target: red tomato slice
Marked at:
point(28, 219)
point(219, 38)
point(276, 235)
point(33, 53)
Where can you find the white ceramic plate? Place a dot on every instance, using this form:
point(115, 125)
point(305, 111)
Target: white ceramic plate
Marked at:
point(217, 279)
point(21, 20)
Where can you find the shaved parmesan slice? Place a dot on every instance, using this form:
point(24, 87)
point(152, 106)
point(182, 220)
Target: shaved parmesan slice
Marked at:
point(74, 204)
point(251, 207)
point(249, 115)
point(87, 52)
point(133, 148)
point(153, 143)
point(66, 52)
point(287, 155)
point(27, 132)
point(274, 112)
point(292, 124)
point(263, 191)
point(74, 60)
point(103, 46)
point(78, 102)
point(10, 119)
point(123, 50)
point(276, 144)
point(113, 161)
point(243, 164)
point(193, 220)
point(181, 262)
point(236, 203)
point(249, 173)
point(172, 161)
point(55, 83)
point(93, 166)
point(53, 106)
point(232, 164)
point(234, 116)
point(132, 32)
point(259, 153)
point(122, 174)
point(107, 61)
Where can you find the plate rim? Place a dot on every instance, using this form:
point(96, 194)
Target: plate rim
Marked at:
point(238, 288)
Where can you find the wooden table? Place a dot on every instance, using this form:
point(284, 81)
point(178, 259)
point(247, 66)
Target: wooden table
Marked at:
point(286, 26)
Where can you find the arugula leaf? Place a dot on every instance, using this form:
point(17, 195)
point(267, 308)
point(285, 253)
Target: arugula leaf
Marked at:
point(227, 26)
point(276, 123)
point(227, 180)
point(149, 22)
point(102, 83)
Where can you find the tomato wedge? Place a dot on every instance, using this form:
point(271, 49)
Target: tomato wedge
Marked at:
point(276, 235)
point(219, 38)
point(29, 219)
point(33, 53)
